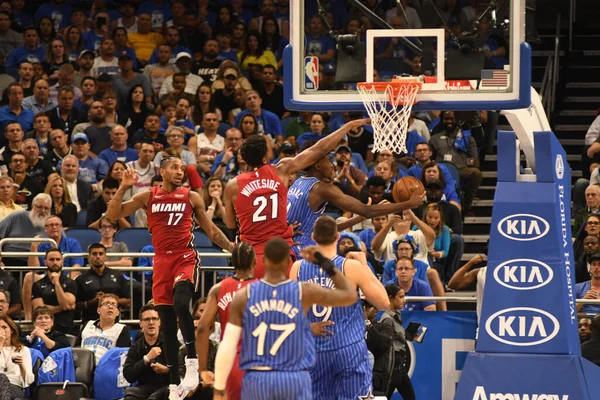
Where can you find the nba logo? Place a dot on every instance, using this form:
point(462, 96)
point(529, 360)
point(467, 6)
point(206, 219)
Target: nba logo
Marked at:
point(311, 73)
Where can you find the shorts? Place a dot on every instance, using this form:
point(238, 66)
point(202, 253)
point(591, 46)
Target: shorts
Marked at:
point(342, 374)
point(259, 270)
point(234, 380)
point(170, 268)
point(276, 385)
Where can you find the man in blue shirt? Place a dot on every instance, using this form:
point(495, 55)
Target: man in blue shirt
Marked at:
point(14, 112)
point(172, 40)
point(225, 161)
point(59, 13)
point(118, 149)
point(30, 51)
point(405, 271)
point(589, 290)
point(91, 169)
point(268, 123)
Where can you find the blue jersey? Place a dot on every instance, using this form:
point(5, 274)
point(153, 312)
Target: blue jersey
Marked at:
point(300, 211)
point(277, 334)
point(349, 321)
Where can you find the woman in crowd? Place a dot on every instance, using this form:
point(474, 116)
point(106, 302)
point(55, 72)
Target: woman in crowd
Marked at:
point(46, 32)
point(73, 43)
point(135, 111)
point(116, 171)
point(388, 172)
point(119, 36)
point(431, 171)
point(108, 229)
point(15, 362)
point(203, 103)
point(224, 19)
point(213, 198)
point(61, 200)
point(238, 37)
point(248, 125)
point(56, 56)
point(254, 53)
point(591, 228)
point(44, 337)
point(435, 219)
point(272, 40)
point(241, 166)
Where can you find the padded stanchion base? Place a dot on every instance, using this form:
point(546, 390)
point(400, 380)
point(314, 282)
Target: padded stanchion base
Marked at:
point(488, 376)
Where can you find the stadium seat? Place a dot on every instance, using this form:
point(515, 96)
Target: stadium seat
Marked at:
point(81, 216)
point(223, 127)
point(201, 240)
point(453, 171)
point(85, 236)
point(134, 238)
point(84, 361)
point(209, 261)
point(72, 339)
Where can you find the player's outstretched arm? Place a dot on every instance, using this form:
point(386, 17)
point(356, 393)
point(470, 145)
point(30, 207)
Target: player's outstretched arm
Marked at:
point(465, 276)
point(116, 208)
point(228, 347)
point(230, 193)
point(344, 293)
point(359, 273)
point(334, 195)
point(209, 316)
point(211, 230)
point(308, 157)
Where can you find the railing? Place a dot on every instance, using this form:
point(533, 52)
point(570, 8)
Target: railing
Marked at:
point(572, 19)
point(550, 79)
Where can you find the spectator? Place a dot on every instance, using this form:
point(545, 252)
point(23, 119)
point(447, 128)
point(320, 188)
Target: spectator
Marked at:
point(91, 169)
point(349, 178)
point(61, 201)
point(403, 248)
point(146, 363)
point(179, 117)
point(150, 134)
point(105, 333)
point(109, 102)
point(7, 204)
point(226, 52)
point(60, 149)
point(80, 191)
point(463, 150)
point(55, 58)
point(30, 51)
point(160, 68)
point(271, 92)
point(135, 111)
point(179, 85)
point(28, 187)
point(65, 117)
point(272, 40)
point(45, 337)
point(106, 62)
point(14, 135)
point(14, 112)
point(268, 123)
point(225, 98)
point(108, 229)
point(367, 235)
point(85, 61)
point(432, 171)
point(16, 361)
point(192, 37)
point(225, 161)
point(378, 337)
point(300, 125)
point(37, 169)
point(98, 207)
point(66, 76)
point(54, 230)
point(120, 36)
point(203, 103)
point(74, 43)
point(46, 31)
point(26, 77)
point(584, 325)
point(41, 129)
point(589, 289)
point(97, 130)
point(398, 379)
point(175, 137)
point(388, 172)
point(254, 53)
point(591, 228)
point(412, 286)
point(249, 126)
point(241, 166)
point(172, 40)
point(317, 130)
point(88, 93)
point(213, 198)
point(160, 11)
point(318, 44)
point(54, 290)
point(144, 41)
point(434, 217)
point(207, 145)
point(267, 9)
point(9, 39)
point(97, 282)
point(238, 36)
point(10, 295)
point(39, 102)
point(128, 20)
point(591, 246)
point(147, 171)
point(128, 78)
point(590, 350)
point(208, 66)
point(92, 38)
point(592, 202)
point(183, 62)
point(242, 81)
point(118, 149)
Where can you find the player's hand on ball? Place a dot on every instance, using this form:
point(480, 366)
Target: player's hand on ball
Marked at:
point(207, 378)
point(416, 200)
point(130, 177)
point(320, 328)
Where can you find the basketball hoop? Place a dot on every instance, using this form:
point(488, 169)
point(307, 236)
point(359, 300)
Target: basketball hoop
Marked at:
point(389, 105)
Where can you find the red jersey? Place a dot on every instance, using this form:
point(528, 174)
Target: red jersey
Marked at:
point(170, 219)
point(227, 289)
point(261, 206)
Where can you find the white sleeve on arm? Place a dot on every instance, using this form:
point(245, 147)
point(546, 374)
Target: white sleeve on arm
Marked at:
point(226, 355)
point(593, 132)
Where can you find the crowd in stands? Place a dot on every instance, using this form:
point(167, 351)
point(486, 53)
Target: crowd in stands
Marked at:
point(87, 92)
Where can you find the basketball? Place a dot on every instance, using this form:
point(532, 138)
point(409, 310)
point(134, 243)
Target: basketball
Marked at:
point(406, 187)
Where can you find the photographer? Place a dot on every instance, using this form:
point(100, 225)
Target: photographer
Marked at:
point(379, 343)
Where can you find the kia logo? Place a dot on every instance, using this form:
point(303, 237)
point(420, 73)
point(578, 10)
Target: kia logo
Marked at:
point(559, 166)
point(523, 274)
point(522, 326)
point(523, 227)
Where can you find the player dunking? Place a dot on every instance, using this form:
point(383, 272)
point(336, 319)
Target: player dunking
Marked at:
point(171, 210)
point(270, 316)
point(342, 370)
point(259, 197)
point(308, 196)
point(219, 300)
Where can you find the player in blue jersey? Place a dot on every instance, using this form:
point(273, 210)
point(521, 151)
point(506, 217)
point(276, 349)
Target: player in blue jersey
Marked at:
point(342, 370)
point(308, 196)
point(270, 316)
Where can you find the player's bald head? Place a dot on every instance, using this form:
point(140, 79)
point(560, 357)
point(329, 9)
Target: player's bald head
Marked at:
point(325, 231)
point(277, 253)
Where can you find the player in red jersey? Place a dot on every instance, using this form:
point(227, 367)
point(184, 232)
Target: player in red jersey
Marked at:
point(219, 299)
point(171, 210)
point(259, 197)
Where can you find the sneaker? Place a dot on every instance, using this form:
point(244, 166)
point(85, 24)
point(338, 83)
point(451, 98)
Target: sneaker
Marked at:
point(173, 395)
point(191, 379)
point(181, 392)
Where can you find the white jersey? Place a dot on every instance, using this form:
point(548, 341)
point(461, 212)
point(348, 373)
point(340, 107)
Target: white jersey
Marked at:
point(144, 183)
point(98, 341)
point(479, 294)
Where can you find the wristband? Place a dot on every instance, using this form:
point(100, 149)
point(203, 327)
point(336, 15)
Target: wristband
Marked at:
point(146, 360)
point(326, 264)
point(211, 208)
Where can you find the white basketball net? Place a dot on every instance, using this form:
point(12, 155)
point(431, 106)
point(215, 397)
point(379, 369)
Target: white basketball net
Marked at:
point(389, 112)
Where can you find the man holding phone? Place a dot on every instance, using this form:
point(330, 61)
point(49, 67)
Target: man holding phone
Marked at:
point(349, 178)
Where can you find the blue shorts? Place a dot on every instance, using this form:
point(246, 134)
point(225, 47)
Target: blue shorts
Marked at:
point(276, 385)
point(342, 374)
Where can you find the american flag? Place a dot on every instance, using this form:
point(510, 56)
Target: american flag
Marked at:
point(494, 77)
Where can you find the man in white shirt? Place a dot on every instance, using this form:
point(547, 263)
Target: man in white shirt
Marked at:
point(146, 170)
point(207, 145)
point(183, 62)
point(106, 62)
